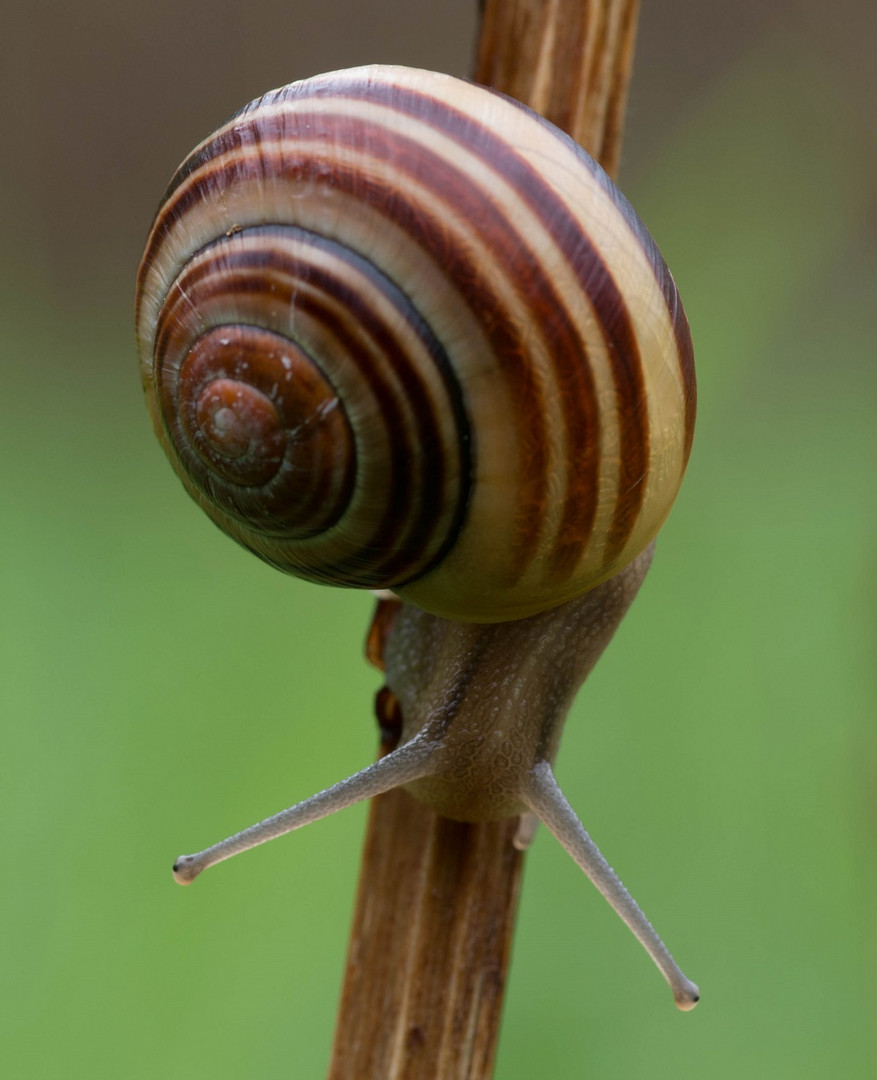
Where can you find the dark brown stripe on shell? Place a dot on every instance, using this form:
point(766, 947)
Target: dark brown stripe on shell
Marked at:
point(569, 233)
point(577, 394)
point(258, 506)
point(396, 549)
point(685, 351)
point(667, 285)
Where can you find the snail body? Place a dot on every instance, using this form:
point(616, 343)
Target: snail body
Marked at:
point(397, 331)
point(490, 701)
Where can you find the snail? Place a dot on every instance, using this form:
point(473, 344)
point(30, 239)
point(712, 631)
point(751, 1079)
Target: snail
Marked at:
point(398, 332)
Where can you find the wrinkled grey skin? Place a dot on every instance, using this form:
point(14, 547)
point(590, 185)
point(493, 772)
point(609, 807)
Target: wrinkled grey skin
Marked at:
point(486, 703)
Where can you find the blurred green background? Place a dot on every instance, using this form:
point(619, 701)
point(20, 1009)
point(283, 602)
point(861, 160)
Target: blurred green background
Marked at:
point(160, 688)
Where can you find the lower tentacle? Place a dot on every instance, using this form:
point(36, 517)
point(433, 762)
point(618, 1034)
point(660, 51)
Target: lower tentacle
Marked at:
point(410, 762)
point(544, 797)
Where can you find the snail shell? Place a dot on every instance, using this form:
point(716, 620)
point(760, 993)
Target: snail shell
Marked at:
point(398, 331)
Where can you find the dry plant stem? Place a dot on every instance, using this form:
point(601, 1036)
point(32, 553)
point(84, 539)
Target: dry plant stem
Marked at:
point(570, 60)
point(432, 930)
point(427, 961)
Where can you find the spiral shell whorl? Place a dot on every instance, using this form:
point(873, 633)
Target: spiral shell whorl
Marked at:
point(397, 331)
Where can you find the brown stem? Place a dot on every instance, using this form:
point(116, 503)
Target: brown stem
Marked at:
point(431, 936)
point(570, 60)
point(427, 961)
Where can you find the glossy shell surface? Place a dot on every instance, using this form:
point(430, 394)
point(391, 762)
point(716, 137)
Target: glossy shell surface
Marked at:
point(397, 331)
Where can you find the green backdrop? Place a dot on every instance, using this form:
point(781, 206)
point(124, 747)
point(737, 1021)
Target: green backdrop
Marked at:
point(160, 688)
